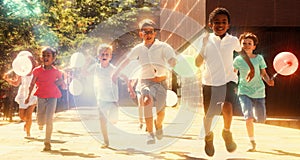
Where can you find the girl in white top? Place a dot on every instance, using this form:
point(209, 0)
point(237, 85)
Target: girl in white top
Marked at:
point(25, 110)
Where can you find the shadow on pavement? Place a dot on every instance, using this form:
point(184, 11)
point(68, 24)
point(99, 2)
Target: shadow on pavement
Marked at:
point(183, 155)
point(65, 152)
point(131, 151)
point(69, 133)
point(280, 152)
point(42, 140)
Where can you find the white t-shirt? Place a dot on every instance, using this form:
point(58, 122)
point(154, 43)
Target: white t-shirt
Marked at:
point(153, 61)
point(105, 88)
point(218, 60)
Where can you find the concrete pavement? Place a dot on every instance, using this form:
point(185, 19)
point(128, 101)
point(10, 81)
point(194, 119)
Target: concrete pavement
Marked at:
point(75, 138)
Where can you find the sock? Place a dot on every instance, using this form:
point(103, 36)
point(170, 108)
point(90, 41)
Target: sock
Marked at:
point(225, 129)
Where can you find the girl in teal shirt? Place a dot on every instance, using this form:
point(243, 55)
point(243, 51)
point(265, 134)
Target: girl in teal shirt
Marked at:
point(252, 94)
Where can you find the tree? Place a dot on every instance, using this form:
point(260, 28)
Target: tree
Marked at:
point(68, 25)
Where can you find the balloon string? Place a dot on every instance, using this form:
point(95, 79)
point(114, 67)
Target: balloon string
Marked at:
point(283, 68)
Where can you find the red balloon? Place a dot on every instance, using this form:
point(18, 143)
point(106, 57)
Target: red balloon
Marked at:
point(285, 63)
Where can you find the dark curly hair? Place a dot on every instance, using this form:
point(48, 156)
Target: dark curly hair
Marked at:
point(218, 11)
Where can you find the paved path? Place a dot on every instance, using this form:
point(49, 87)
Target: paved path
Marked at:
point(75, 136)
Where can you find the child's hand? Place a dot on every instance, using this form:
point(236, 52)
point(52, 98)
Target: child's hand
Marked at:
point(26, 100)
point(132, 94)
point(5, 76)
point(146, 99)
point(271, 82)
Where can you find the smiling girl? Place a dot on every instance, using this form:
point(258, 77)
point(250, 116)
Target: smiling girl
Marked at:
point(47, 78)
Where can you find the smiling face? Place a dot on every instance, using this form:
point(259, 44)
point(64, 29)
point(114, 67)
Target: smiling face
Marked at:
point(104, 56)
point(248, 45)
point(148, 34)
point(220, 25)
point(47, 58)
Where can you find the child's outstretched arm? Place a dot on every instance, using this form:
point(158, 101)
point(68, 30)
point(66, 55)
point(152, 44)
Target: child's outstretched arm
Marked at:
point(16, 81)
point(130, 89)
point(250, 74)
point(266, 77)
point(119, 68)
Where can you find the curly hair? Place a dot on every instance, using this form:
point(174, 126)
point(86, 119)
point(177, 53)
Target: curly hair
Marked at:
point(218, 11)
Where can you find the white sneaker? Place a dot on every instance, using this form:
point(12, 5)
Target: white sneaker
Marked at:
point(150, 138)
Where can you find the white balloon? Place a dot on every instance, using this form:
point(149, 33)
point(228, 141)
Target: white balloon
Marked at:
point(171, 99)
point(77, 60)
point(75, 87)
point(24, 53)
point(22, 65)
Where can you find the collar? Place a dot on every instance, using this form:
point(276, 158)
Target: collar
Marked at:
point(218, 37)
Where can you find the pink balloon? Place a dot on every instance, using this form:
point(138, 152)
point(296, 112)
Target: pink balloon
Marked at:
point(285, 63)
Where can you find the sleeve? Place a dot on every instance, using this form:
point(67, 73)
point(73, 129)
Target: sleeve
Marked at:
point(59, 74)
point(236, 62)
point(35, 72)
point(169, 52)
point(262, 62)
point(237, 45)
point(133, 54)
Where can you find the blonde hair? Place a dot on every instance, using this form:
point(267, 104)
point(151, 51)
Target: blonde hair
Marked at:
point(103, 47)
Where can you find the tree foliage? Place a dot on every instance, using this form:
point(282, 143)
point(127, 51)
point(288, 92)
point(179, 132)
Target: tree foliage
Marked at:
point(68, 25)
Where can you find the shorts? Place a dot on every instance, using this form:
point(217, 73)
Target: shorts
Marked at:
point(253, 108)
point(108, 110)
point(158, 90)
point(215, 95)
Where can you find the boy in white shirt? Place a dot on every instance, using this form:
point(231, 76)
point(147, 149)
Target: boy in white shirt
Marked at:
point(218, 77)
point(154, 58)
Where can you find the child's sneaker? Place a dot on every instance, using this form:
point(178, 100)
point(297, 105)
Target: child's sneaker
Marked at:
point(209, 145)
point(253, 149)
point(229, 143)
point(47, 147)
point(150, 138)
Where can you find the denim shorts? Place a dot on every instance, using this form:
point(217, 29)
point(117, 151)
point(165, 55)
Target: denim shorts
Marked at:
point(253, 108)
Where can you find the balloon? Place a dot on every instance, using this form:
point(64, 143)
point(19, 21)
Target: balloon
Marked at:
point(171, 99)
point(185, 66)
point(22, 65)
point(285, 63)
point(77, 60)
point(24, 53)
point(75, 87)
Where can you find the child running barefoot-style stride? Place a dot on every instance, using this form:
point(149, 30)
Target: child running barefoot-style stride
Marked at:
point(46, 78)
point(252, 94)
point(106, 90)
point(25, 110)
point(218, 77)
